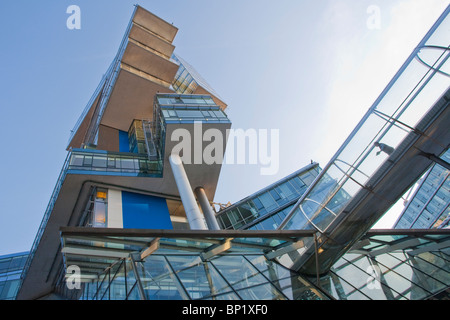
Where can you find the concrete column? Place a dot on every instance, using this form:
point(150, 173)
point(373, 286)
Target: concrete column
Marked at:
point(208, 212)
point(193, 213)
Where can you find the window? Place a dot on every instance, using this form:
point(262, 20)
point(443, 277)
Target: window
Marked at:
point(100, 209)
point(219, 114)
point(189, 114)
point(297, 183)
point(267, 224)
point(226, 223)
point(258, 204)
point(247, 212)
point(275, 195)
point(308, 177)
point(267, 200)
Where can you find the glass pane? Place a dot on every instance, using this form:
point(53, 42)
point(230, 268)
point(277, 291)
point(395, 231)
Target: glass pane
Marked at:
point(267, 201)
point(103, 287)
point(158, 281)
point(272, 270)
point(118, 291)
point(435, 260)
point(262, 292)
point(237, 271)
point(198, 278)
point(76, 160)
point(99, 161)
point(134, 293)
point(131, 278)
point(225, 296)
point(294, 289)
point(99, 214)
point(248, 212)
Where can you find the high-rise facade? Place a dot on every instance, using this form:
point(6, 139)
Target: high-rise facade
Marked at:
point(11, 267)
point(267, 208)
point(429, 206)
point(120, 171)
point(131, 214)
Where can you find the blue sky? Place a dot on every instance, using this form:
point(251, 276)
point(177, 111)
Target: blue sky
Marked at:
point(308, 68)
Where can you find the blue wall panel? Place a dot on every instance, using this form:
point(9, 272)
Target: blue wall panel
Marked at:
point(144, 212)
point(124, 144)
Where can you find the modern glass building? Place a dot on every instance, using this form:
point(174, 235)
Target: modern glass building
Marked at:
point(387, 265)
point(11, 267)
point(131, 215)
point(384, 265)
point(429, 207)
point(267, 208)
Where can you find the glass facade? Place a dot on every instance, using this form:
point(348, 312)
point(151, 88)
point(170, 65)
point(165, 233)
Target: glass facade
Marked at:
point(391, 267)
point(429, 206)
point(85, 161)
point(383, 135)
point(282, 222)
point(245, 265)
point(136, 137)
point(312, 213)
point(106, 162)
point(188, 277)
point(96, 211)
point(187, 79)
point(11, 267)
point(183, 265)
point(176, 108)
point(266, 209)
point(183, 82)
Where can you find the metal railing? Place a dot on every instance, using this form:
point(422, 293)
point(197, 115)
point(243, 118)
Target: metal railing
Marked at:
point(120, 163)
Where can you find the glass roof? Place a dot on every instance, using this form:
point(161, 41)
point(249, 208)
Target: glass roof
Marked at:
point(412, 241)
point(95, 249)
point(392, 265)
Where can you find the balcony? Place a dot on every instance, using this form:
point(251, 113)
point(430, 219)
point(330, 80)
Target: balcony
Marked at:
point(113, 163)
point(180, 108)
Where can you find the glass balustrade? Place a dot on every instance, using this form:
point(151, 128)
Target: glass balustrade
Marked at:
point(113, 163)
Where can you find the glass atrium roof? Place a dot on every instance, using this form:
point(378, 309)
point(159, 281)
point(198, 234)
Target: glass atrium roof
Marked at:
point(94, 249)
point(384, 264)
point(392, 265)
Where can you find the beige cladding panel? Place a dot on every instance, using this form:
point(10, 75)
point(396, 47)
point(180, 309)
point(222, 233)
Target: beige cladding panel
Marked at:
point(155, 24)
point(115, 218)
point(108, 139)
point(132, 98)
point(201, 90)
point(150, 40)
point(78, 138)
point(149, 62)
point(200, 175)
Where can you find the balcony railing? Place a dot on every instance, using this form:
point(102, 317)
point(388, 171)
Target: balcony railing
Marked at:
point(113, 163)
point(83, 161)
point(182, 108)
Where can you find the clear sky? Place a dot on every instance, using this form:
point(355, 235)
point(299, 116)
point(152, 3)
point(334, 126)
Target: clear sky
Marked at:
point(310, 69)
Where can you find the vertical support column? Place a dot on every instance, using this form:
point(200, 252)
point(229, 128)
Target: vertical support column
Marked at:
point(193, 213)
point(208, 212)
point(137, 276)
